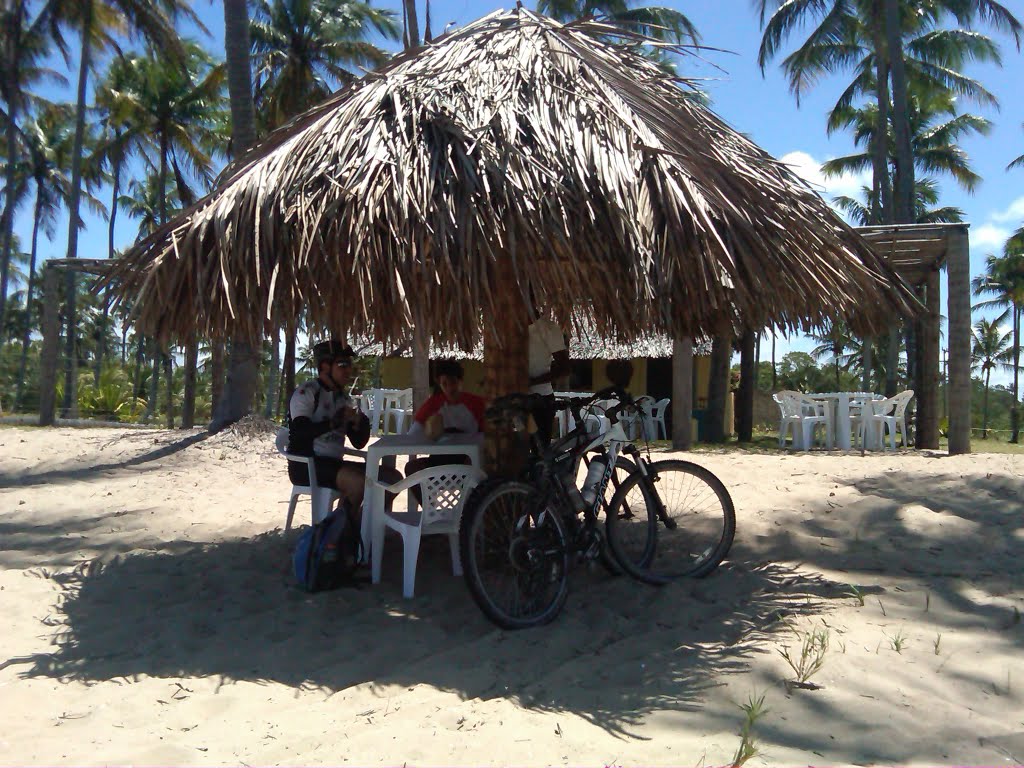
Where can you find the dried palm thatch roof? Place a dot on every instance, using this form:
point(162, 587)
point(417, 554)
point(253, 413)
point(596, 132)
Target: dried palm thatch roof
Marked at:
point(584, 344)
point(614, 194)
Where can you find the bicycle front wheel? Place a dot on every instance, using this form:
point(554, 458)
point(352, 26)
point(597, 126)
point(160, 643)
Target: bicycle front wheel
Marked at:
point(514, 554)
point(677, 521)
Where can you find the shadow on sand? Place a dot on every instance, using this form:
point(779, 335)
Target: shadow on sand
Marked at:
point(229, 610)
point(85, 472)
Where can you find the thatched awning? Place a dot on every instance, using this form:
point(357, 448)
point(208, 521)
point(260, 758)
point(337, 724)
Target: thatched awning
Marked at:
point(614, 194)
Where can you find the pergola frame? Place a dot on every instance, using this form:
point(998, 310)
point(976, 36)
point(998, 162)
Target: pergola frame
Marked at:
point(917, 252)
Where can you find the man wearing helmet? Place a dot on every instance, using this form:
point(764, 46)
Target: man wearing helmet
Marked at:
point(321, 415)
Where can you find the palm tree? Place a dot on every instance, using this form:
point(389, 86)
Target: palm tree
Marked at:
point(172, 110)
point(236, 399)
point(658, 23)
point(98, 22)
point(937, 130)
point(859, 36)
point(965, 13)
point(117, 144)
point(49, 139)
point(834, 342)
point(1003, 279)
point(24, 45)
point(859, 210)
point(302, 50)
point(989, 350)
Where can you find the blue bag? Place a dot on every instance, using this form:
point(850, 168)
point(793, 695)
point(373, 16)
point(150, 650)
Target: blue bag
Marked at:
point(326, 554)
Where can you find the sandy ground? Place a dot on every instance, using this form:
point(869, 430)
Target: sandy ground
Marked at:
point(147, 616)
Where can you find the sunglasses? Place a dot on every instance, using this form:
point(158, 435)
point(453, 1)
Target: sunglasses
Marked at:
point(343, 363)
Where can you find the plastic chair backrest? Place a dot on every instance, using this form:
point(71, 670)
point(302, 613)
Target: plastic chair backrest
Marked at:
point(902, 401)
point(444, 492)
point(281, 441)
point(660, 406)
point(791, 403)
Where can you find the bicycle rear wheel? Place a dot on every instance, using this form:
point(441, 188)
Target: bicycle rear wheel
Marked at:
point(515, 554)
point(677, 521)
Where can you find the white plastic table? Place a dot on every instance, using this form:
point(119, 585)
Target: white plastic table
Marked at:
point(840, 403)
point(409, 445)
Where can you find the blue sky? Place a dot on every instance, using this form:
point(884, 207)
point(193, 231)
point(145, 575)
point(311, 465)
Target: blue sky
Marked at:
point(760, 106)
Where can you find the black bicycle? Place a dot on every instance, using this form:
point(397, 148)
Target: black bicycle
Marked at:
point(519, 537)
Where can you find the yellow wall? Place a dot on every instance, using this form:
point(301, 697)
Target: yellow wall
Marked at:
point(638, 386)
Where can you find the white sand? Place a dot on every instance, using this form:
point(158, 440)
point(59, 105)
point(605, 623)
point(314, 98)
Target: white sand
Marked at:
point(147, 617)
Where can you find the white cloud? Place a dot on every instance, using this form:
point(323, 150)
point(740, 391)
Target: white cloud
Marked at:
point(1014, 213)
point(809, 169)
point(989, 236)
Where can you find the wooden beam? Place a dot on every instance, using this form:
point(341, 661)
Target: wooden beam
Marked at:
point(959, 334)
point(928, 419)
point(682, 393)
point(51, 341)
point(420, 360)
point(745, 396)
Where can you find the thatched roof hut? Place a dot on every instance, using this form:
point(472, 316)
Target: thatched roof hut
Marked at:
point(521, 148)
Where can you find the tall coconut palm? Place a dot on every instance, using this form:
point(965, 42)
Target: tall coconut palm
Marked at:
point(98, 22)
point(659, 23)
point(1003, 280)
point(989, 350)
point(176, 106)
point(302, 50)
point(852, 35)
point(235, 401)
point(117, 145)
point(834, 343)
point(966, 14)
point(858, 211)
point(26, 36)
point(49, 138)
point(937, 128)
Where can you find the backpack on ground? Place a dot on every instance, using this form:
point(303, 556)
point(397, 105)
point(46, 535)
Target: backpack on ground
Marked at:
point(327, 553)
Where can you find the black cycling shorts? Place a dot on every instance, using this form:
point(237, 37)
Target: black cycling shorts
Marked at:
point(326, 471)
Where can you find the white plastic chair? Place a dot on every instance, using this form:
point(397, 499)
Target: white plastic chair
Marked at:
point(804, 415)
point(646, 405)
point(321, 498)
point(888, 415)
point(444, 490)
point(399, 407)
point(658, 417)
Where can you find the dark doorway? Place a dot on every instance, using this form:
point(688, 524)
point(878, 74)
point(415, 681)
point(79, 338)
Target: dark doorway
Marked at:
point(659, 383)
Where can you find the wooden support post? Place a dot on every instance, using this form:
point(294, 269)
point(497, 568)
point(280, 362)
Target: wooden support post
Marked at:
point(745, 395)
point(506, 336)
point(959, 334)
point(682, 393)
point(915, 349)
point(51, 341)
point(420, 360)
point(928, 420)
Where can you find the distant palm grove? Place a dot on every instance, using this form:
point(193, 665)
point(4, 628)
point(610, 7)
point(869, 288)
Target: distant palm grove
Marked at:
point(155, 110)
